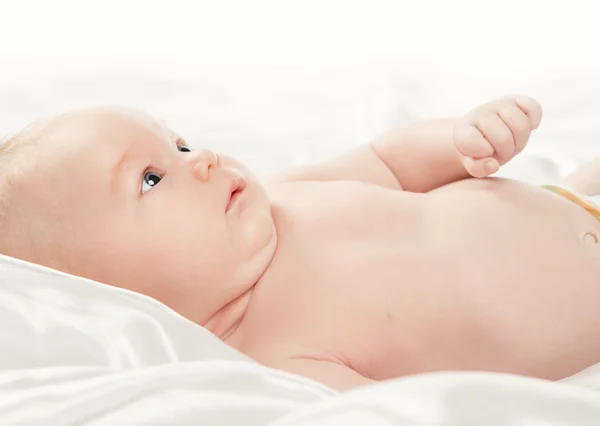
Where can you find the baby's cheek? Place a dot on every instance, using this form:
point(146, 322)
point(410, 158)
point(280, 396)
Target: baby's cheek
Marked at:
point(210, 246)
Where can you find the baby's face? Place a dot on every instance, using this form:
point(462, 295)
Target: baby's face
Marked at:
point(143, 211)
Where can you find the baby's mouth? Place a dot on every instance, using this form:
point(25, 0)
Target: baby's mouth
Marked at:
point(238, 184)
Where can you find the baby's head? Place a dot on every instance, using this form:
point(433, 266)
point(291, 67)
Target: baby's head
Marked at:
point(112, 195)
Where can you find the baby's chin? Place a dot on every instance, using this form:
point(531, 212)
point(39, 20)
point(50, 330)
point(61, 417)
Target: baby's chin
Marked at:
point(257, 226)
point(250, 221)
point(256, 245)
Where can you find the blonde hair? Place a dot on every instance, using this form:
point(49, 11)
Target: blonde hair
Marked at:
point(18, 156)
point(13, 164)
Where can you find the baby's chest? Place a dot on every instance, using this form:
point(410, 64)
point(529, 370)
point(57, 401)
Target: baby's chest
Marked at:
point(358, 216)
point(353, 298)
point(347, 236)
point(341, 264)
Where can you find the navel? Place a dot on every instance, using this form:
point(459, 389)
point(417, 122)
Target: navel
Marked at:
point(590, 238)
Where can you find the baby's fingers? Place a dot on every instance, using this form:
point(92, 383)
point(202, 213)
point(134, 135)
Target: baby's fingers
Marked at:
point(532, 109)
point(518, 123)
point(480, 168)
point(497, 133)
point(470, 142)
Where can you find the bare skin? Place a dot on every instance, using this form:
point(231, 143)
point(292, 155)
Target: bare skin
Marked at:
point(586, 180)
point(385, 262)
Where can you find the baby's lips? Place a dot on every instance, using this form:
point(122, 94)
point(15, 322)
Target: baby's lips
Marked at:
point(238, 182)
point(236, 186)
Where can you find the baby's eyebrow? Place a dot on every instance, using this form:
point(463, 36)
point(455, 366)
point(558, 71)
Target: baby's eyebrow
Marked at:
point(180, 141)
point(176, 138)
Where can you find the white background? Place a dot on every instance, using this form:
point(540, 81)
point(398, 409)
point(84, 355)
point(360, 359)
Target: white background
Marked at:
point(471, 35)
point(281, 82)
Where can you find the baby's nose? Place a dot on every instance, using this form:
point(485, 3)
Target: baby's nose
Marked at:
point(202, 161)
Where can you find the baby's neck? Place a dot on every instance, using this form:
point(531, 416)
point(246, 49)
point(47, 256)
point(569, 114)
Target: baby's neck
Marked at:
point(227, 320)
point(225, 323)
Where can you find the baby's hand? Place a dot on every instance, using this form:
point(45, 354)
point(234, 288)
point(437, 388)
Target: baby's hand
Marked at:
point(493, 133)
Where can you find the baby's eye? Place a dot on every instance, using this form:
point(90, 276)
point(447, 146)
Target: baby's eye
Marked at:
point(151, 179)
point(183, 148)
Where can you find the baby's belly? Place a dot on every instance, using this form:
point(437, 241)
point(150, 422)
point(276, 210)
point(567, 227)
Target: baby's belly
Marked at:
point(492, 276)
point(526, 286)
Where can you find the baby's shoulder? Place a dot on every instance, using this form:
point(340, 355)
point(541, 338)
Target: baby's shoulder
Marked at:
point(313, 188)
point(284, 192)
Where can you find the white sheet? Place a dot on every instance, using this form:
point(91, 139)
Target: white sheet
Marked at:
point(79, 352)
point(76, 352)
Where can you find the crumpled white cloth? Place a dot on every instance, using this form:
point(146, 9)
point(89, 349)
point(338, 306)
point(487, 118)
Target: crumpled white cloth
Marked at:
point(188, 393)
point(456, 399)
point(75, 352)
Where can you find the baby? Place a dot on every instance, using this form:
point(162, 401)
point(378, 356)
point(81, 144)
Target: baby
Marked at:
point(399, 257)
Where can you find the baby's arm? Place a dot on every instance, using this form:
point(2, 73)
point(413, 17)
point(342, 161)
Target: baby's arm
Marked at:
point(421, 155)
point(424, 155)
